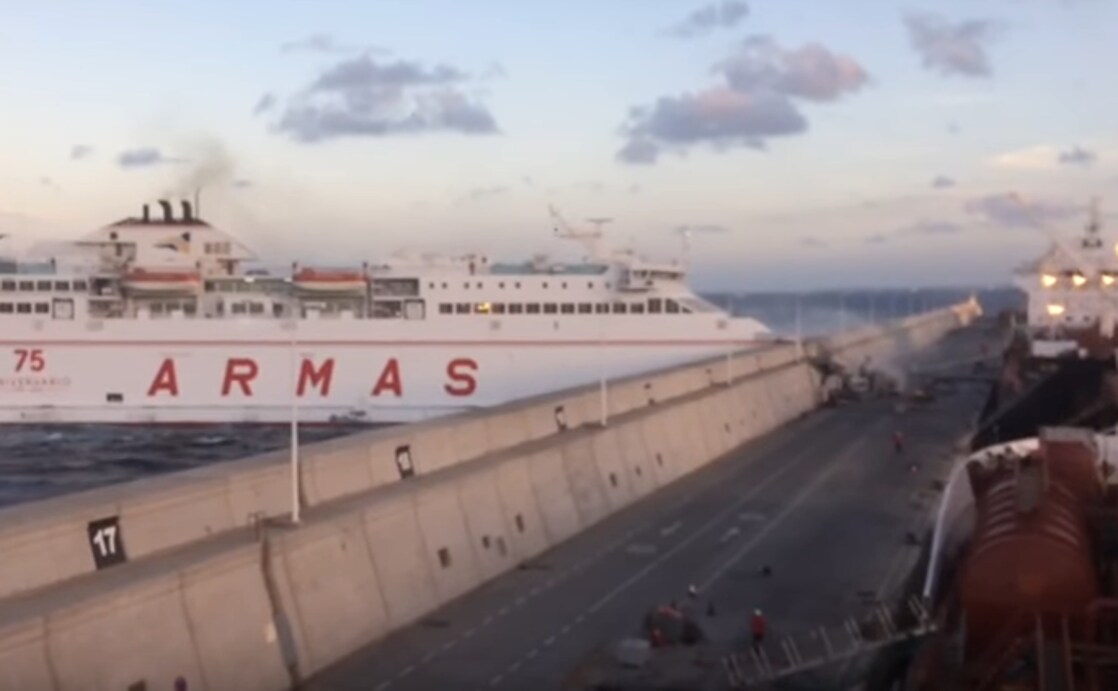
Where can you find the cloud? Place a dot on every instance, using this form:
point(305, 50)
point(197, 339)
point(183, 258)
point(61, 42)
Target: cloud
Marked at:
point(49, 183)
point(495, 70)
point(876, 239)
point(951, 48)
point(942, 182)
point(316, 43)
point(80, 151)
point(1033, 157)
point(717, 15)
point(634, 189)
point(480, 193)
point(266, 103)
point(812, 241)
point(365, 73)
point(953, 128)
point(145, 157)
point(1012, 210)
point(757, 101)
point(364, 97)
point(811, 72)
point(702, 228)
point(925, 227)
point(1077, 156)
point(242, 184)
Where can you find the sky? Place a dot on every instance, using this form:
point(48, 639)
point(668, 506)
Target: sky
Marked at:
point(799, 143)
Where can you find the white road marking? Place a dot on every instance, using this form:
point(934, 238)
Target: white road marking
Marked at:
point(496, 680)
point(548, 641)
point(513, 667)
point(503, 611)
point(469, 633)
point(563, 631)
point(428, 657)
point(486, 621)
point(450, 644)
point(382, 686)
point(703, 530)
point(800, 498)
point(666, 532)
point(730, 534)
point(532, 653)
point(406, 671)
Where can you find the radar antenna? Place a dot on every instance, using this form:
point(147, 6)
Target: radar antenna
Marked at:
point(1085, 266)
point(1092, 239)
point(591, 239)
point(685, 233)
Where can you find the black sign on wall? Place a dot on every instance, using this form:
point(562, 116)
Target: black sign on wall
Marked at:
point(106, 542)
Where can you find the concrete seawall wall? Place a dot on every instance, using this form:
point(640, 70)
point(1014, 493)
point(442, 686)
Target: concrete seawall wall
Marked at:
point(234, 608)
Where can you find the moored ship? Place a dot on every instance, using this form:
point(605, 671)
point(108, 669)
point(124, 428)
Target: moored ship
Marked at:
point(161, 319)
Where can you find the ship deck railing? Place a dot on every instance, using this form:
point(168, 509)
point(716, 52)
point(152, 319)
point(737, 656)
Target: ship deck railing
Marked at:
point(823, 647)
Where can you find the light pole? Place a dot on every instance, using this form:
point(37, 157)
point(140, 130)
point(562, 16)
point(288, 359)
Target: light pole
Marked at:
point(799, 329)
point(603, 400)
point(730, 349)
point(293, 359)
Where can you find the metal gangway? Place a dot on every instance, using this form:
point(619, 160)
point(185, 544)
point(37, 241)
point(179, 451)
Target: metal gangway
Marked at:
point(819, 648)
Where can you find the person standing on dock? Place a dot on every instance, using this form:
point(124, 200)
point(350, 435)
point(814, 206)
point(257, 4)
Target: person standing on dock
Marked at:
point(758, 626)
point(898, 442)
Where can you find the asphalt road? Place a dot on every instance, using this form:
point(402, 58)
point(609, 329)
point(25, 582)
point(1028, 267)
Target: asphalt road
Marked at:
point(824, 501)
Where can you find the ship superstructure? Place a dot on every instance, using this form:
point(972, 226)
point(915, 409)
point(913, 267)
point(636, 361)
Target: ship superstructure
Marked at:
point(1073, 296)
point(159, 319)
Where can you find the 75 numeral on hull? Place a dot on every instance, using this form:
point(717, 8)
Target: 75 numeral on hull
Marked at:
point(29, 360)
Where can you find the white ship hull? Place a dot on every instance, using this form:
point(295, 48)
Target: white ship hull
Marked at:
point(245, 370)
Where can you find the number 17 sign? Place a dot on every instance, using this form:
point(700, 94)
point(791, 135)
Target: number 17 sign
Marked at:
point(106, 542)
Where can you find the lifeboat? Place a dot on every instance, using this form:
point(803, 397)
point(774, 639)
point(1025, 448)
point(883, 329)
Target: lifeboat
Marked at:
point(330, 280)
point(162, 281)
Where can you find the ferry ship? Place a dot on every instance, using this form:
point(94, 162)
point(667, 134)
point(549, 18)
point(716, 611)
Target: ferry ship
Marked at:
point(1073, 296)
point(162, 319)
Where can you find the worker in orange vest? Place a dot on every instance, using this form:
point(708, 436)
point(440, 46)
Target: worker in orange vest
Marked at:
point(758, 627)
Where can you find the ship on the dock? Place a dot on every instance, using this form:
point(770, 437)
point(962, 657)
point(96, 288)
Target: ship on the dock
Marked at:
point(1021, 564)
point(163, 319)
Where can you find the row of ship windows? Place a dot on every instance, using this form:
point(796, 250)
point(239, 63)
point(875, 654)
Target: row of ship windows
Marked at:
point(501, 285)
point(654, 306)
point(24, 308)
point(43, 286)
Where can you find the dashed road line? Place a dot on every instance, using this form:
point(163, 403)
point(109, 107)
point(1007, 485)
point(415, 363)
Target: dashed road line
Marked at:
point(729, 534)
point(776, 520)
point(670, 530)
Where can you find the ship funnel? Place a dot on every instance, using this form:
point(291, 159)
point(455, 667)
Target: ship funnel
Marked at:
point(186, 215)
point(147, 214)
point(168, 216)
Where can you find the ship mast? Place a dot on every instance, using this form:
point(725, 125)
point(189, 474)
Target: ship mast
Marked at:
point(590, 239)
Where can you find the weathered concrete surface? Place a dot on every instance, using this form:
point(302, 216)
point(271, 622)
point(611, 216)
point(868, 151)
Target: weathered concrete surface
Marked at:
point(823, 500)
point(366, 561)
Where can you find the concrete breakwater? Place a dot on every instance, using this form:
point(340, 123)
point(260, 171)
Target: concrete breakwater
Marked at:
point(196, 575)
